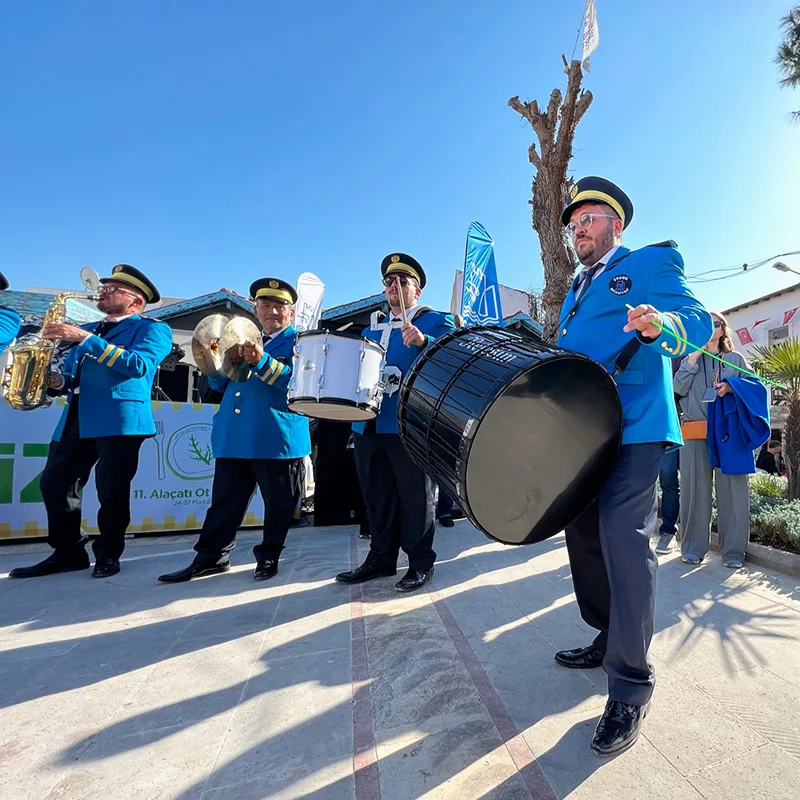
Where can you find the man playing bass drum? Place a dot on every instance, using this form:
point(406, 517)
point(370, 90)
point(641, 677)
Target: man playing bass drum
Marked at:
point(397, 493)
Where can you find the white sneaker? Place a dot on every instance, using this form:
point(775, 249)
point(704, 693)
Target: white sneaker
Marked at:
point(665, 543)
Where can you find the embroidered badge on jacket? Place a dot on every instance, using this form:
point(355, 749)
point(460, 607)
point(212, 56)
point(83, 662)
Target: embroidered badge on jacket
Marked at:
point(620, 284)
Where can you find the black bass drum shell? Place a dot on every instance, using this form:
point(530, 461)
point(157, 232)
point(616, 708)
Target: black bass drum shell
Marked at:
point(522, 433)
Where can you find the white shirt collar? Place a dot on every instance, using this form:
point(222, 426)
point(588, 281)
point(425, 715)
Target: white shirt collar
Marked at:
point(117, 319)
point(605, 259)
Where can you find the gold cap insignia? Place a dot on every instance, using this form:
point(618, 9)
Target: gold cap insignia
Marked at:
point(116, 269)
point(273, 284)
point(395, 259)
point(573, 192)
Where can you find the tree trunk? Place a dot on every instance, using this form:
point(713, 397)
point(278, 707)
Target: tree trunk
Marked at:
point(555, 130)
point(791, 447)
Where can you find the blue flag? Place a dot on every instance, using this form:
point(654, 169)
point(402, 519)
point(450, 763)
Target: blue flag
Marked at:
point(480, 301)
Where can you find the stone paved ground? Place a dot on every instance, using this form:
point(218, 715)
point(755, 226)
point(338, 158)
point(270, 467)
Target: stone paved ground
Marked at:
point(300, 687)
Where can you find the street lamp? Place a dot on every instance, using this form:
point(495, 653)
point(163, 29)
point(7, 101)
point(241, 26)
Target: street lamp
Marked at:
point(781, 267)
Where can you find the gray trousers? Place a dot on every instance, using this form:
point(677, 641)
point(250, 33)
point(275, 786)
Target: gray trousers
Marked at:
point(733, 505)
point(614, 570)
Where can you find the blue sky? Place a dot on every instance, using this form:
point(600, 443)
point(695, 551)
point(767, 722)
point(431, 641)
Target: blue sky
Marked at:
point(212, 142)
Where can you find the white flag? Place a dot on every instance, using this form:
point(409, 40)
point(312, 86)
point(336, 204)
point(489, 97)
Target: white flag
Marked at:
point(308, 308)
point(591, 34)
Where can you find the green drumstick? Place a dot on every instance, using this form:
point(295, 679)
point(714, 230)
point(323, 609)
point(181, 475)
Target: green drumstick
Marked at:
point(711, 355)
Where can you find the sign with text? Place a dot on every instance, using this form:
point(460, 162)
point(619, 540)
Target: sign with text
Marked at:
point(171, 490)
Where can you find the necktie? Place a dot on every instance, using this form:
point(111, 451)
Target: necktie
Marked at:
point(585, 279)
point(106, 326)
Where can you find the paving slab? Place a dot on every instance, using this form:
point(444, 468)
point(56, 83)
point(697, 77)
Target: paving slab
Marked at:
point(300, 687)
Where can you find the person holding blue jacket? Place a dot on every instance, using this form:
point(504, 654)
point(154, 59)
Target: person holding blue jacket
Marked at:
point(9, 320)
point(398, 495)
point(631, 311)
point(256, 441)
point(107, 378)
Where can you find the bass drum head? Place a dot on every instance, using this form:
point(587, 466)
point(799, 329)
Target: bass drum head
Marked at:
point(336, 412)
point(542, 450)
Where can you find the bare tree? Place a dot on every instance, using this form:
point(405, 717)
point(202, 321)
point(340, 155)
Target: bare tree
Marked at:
point(555, 130)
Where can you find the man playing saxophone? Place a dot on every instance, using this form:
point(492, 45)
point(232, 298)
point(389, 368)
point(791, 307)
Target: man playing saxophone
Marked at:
point(107, 378)
point(9, 320)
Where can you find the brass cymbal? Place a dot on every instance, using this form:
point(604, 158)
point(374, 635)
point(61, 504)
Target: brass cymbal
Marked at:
point(205, 344)
point(238, 331)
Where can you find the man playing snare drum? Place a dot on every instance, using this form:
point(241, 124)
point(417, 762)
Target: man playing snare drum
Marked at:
point(397, 493)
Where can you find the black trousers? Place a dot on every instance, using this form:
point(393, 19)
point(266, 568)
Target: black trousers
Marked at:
point(399, 500)
point(235, 480)
point(66, 472)
point(614, 570)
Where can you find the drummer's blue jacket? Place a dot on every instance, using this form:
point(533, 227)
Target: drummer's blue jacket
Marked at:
point(253, 420)
point(9, 327)
point(400, 357)
point(593, 326)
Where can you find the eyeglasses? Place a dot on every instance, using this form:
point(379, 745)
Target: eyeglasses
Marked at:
point(585, 222)
point(390, 279)
point(105, 288)
point(718, 324)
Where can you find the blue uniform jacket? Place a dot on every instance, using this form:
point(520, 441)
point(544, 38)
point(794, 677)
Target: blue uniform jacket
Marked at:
point(116, 378)
point(253, 420)
point(9, 327)
point(399, 359)
point(653, 275)
point(738, 424)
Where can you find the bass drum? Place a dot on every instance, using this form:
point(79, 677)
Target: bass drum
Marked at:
point(522, 433)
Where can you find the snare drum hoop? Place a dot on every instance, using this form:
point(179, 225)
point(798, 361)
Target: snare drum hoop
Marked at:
point(339, 401)
point(463, 453)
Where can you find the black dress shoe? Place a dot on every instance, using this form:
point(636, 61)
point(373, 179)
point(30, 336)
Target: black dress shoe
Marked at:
point(105, 568)
point(52, 565)
point(366, 572)
point(265, 569)
point(195, 570)
point(446, 521)
point(581, 657)
point(413, 579)
point(618, 728)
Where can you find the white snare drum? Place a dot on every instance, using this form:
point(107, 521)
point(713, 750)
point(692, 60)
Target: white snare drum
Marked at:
point(336, 376)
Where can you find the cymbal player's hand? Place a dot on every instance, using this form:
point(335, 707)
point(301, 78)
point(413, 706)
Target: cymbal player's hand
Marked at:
point(252, 352)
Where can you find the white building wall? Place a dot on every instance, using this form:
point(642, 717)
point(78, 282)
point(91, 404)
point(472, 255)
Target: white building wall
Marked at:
point(512, 301)
point(769, 314)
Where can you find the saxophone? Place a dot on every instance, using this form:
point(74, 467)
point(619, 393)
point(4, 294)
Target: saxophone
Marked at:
point(28, 372)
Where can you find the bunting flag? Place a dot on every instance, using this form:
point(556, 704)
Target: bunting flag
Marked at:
point(591, 33)
point(758, 322)
point(787, 315)
point(744, 336)
point(480, 301)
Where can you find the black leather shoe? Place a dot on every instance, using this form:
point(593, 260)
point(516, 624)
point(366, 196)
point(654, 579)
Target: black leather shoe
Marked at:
point(581, 657)
point(195, 570)
point(618, 728)
point(413, 579)
point(265, 569)
point(52, 565)
point(105, 568)
point(366, 572)
point(446, 521)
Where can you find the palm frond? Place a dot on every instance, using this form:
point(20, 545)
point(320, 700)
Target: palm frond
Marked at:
point(787, 56)
point(780, 362)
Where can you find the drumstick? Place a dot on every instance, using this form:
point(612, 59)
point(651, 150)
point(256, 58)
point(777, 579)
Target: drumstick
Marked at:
point(711, 355)
point(344, 327)
point(402, 301)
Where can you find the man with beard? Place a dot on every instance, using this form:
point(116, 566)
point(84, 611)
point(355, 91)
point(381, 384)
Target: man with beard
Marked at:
point(107, 378)
point(610, 314)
